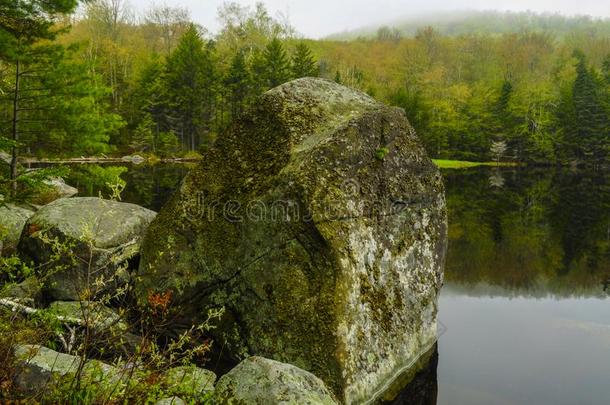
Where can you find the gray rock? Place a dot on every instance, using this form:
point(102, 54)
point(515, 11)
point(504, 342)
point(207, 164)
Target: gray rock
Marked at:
point(99, 236)
point(260, 381)
point(135, 159)
point(93, 314)
point(12, 221)
point(319, 223)
point(38, 367)
point(27, 292)
point(189, 380)
point(60, 188)
point(170, 401)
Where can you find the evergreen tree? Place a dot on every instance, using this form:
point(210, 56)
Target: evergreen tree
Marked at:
point(503, 120)
point(338, 78)
point(591, 118)
point(418, 114)
point(276, 64)
point(303, 63)
point(504, 99)
point(238, 84)
point(60, 106)
point(22, 24)
point(190, 84)
point(149, 105)
point(606, 69)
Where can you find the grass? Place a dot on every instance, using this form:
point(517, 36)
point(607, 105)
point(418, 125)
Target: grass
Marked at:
point(461, 164)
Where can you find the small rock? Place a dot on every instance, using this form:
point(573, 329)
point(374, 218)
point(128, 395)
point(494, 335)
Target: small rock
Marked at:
point(135, 159)
point(96, 315)
point(27, 292)
point(60, 187)
point(39, 366)
point(12, 221)
point(171, 401)
point(189, 380)
point(257, 380)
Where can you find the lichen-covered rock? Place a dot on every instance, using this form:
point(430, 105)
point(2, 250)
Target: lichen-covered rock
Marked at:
point(38, 367)
point(50, 190)
point(171, 401)
point(12, 221)
point(27, 292)
point(260, 381)
point(189, 381)
point(319, 223)
point(94, 237)
point(89, 313)
point(60, 188)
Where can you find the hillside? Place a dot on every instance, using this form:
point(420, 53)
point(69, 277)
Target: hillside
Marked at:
point(462, 22)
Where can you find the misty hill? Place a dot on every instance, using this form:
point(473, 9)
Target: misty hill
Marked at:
point(490, 22)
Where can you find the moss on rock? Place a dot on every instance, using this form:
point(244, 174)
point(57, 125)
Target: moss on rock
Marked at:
point(324, 255)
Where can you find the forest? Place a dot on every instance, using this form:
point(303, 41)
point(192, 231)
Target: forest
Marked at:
point(97, 79)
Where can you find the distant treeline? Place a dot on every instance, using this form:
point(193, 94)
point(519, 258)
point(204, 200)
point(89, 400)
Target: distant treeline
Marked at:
point(546, 99)
point(469, 22)
point(113, 82)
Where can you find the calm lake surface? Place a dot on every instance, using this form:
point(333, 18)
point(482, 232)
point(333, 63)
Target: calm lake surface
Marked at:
point(524, 312)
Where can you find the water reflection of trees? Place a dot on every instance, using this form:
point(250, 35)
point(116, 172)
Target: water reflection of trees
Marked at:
point(545, 232)
point(146, 185)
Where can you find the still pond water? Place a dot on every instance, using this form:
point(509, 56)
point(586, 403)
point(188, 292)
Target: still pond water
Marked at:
point(525, 311)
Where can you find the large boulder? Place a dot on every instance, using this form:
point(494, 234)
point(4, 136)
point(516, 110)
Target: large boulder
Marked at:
point(80, 245)
point(12, 221)
point(260, 381)
point(319, 223)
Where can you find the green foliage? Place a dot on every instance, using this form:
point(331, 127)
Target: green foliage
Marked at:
point(381, 153)
point(275, 65)
point(190, 89)
point(105, 181)
point(303, 63)
point(82, 335)
point(238, 84)
point(25, 22)
point(590, 140)
point(417, 111)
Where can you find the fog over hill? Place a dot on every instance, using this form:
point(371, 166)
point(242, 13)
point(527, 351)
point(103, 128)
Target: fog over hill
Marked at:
point(320, 18)
point(461, 22)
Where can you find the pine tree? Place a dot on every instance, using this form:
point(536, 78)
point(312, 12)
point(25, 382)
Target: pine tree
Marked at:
point(591, 118)
point(149, 104)
point(22, 24)
point(276, 66)
point(338, 78)
point(503, 120)
point(606, 69)
point(303, 63)
point(238, 83)
point(190, 82)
